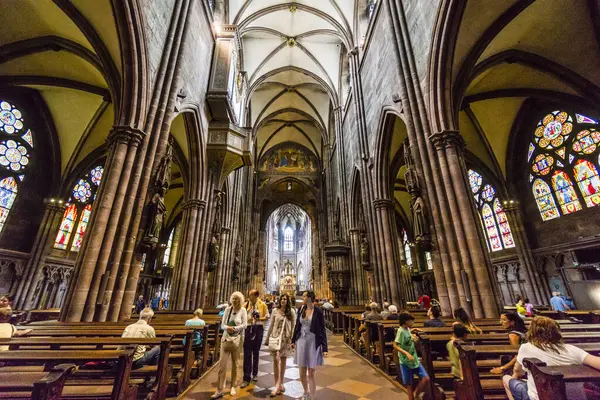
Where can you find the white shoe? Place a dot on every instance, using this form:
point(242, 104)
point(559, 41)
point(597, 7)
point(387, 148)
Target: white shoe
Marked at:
point(232, 392)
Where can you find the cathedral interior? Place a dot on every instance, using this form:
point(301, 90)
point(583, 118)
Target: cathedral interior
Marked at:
point(362, 149)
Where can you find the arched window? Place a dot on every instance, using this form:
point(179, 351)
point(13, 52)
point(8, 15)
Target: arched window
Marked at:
point(288, 239)
point(16, 144)
point(407, 252)
point(564, 166)
point(167, 255)
point(491, 213)
point(78, 211)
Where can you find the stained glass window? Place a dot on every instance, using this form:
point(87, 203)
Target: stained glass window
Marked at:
point(565, 152)
point(66, 227)
point(167, 255)
point(83, 222)
point(428, 260)
point(16, 144)
point(407, 251)
point(81, 201)
point(545, 200)
point(586, 176)
point(8, 193)
point(492, 216)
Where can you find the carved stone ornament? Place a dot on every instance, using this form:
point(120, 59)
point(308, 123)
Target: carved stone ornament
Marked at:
point(420, 226)
point(364, 253)
point(213, 252)
point(339, 283)
point(235, 271)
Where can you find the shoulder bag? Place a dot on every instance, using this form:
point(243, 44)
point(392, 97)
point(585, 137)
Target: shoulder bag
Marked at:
point(231, 343)
point(275, 341)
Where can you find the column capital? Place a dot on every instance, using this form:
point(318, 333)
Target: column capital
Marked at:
point(446, 139)
point(226, 230)
point(354, 231)
point(193, 203)
point(55, 204)
point(125, 134)
point(353, 51)
point(383, 203)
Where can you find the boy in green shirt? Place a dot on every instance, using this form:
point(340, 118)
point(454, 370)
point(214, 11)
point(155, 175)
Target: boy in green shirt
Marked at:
point(459, 333)
point(409, 360)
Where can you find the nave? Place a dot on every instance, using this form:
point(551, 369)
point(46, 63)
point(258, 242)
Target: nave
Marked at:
point(344, 376)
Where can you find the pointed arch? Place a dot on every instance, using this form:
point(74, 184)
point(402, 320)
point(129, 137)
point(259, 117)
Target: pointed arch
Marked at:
point(586, 176)
point(545, 200)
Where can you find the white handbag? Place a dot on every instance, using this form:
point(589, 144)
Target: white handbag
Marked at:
point(275, 342)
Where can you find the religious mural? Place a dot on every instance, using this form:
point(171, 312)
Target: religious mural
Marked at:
point(288, 159)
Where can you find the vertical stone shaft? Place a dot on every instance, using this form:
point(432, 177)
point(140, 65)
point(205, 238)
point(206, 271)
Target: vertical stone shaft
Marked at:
point(534, 283)
point(388, 255)
point(44, 241)
point(190, 209)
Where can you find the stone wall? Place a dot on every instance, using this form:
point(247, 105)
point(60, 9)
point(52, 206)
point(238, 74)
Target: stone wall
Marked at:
point(157, 17)
point(351, 145)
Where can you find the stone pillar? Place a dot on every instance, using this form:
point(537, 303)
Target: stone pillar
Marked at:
point(534, 283)
point(53, 214)
point(91, 264)
point(338, 270)
point(219, 272)
point(389, 258)
point(475, 260)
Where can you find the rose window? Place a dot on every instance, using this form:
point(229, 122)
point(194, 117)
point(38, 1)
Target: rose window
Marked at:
point(11, 119)
point(82, 191)
point(13, 155)
point(554, 129)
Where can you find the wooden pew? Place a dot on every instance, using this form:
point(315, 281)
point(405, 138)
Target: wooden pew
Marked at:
point(35, 385)
point(162, 371)
point(118, 389)
point(550, 382)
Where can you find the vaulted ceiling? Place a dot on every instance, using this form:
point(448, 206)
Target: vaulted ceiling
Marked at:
point(292, 54)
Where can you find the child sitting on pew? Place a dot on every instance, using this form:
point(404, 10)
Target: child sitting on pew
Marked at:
point(459, 333)
point(8, 330)
point(409, 360)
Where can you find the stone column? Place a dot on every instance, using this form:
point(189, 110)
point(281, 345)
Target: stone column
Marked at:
point(474, 256)
point(390, 258)
point(123, 144)
point(44, 240)
point(523, 249)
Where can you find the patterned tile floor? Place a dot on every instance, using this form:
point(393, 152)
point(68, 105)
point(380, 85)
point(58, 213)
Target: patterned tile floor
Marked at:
point(344, 376)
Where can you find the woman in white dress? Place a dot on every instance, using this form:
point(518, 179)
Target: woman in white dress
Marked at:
point(281, 328)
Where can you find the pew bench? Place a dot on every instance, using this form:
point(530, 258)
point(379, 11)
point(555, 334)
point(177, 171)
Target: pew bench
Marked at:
point(551, 382)
point(35, 385)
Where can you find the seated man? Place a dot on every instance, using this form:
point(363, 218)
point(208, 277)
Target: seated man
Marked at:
point(392, 313)
point(434, 320)
point(142, 329)
point(327, 304)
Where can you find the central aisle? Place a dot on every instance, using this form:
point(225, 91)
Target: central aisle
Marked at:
point(344, 376)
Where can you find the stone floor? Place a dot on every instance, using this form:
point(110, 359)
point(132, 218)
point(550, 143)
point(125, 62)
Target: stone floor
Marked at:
point(344, 376)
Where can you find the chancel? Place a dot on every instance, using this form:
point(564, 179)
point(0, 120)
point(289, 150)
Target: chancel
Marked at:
point(169, 167)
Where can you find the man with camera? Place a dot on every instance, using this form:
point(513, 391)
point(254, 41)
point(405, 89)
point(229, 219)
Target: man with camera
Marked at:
point(257, 315)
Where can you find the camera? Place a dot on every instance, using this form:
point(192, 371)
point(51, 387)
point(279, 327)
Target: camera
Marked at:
point(255, 314)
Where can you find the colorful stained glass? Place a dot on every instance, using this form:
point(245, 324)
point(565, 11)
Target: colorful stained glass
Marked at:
point(558, 163)
point(407, 252)
point(565, 193)
point(571, 158)
point(13, 156)
point(488, 193)
point(553, 129)
point(582, 119)
point(586, 176)
point(586, 141)
point(507, 237)
point(530, 178)
point(167, 254)
point(66, 227)
point(542, 164)
point(474, 180)
point(28, 137)
point(81, 227)
point(545, 200)
point(96, 175)
point(21, 177)
point(561, 152)
point(530, 152)
point(82, 191)
point(8, 194)
point(490, 227)
point(11, 119)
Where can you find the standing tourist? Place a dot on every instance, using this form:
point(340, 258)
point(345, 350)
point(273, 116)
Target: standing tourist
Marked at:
point(409, 360)
point(424, 301)
point(140, 304)
point(310, 341)
point(234, 323)
point(279, 340)
point(155, 302)
point(257, 313)
point(558, 303)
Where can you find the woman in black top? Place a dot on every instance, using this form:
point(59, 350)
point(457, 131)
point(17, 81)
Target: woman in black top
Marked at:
point(310, 341)
point(515, 326)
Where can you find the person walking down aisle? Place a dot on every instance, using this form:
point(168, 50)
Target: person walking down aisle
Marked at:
point(257, 313)
point(279, 340)
point(310, 341)
point(234, 323)
point(409, 360)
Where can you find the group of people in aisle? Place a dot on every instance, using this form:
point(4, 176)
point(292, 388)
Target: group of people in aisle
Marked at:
point(156, 303)
point(300, 333)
